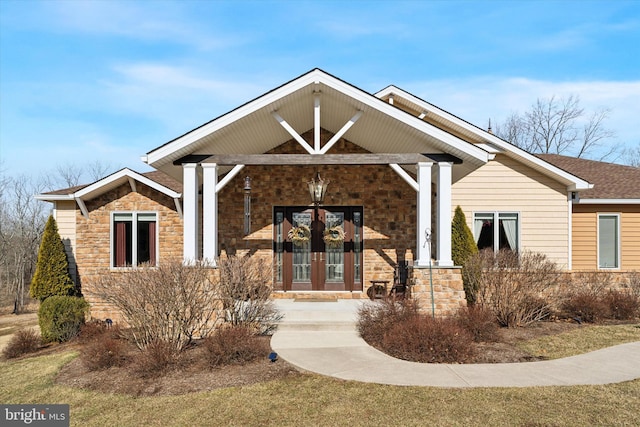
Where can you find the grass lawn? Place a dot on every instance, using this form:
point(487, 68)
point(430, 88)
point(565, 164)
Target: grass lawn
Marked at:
point(583, 340)
point(319, 401)
point(312, 400)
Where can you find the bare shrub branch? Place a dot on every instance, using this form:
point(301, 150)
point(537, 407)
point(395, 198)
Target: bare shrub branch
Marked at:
point(514, 286)
point(172, 303)
point(245, 293)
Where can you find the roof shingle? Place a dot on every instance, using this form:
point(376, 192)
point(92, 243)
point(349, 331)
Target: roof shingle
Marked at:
point(610, 180)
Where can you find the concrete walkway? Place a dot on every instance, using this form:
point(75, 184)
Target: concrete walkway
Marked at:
point(320, 337)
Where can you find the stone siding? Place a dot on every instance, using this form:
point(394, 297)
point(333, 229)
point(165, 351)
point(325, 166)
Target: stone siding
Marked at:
point(389, 206)
point(93, 238)
point(389, 222)
point(448, 291)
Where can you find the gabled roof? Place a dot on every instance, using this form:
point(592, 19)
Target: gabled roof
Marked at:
point(253, 128)
point(481, 138)
point(156, 180)
point(613, 183)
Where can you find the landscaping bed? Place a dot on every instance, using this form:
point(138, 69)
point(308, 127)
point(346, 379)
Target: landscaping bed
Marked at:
point(191, 373)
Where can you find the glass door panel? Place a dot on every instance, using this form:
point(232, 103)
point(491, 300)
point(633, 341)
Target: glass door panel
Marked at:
point(318, 249)
point(334, 236)
point(301, 242)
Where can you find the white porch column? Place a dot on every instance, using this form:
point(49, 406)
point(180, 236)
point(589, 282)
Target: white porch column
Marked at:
point(209, 213)
point(444, 215)
point(190, 212)
point(423, 249)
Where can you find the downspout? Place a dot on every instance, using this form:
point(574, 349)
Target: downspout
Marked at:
point(570, 202)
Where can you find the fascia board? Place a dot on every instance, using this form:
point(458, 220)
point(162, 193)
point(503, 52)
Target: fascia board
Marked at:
point(184, 141)
point(376, 103)
point(53, 197)
point(608, 201)
point(575, 183)
point(314, 77)
point(123, 176)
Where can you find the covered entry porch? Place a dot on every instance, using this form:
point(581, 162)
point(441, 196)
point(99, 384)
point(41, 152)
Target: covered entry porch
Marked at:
point(433, 232)
point(397, 167)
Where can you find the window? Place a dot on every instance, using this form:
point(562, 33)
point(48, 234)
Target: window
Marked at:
point(504, 236)
point(609, 241)
point(134, 239)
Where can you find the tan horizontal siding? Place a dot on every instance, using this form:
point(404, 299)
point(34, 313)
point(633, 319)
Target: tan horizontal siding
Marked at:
point(507, 186)
point(585, 242)
point(66, 220)
point(585, 239)
point(630, 238)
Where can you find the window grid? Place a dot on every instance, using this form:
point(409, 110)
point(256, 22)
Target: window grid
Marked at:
point(505, 236)
point(134, 239)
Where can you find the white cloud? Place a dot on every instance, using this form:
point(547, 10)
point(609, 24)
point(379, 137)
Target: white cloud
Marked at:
point(178, 97)
point(141, 21)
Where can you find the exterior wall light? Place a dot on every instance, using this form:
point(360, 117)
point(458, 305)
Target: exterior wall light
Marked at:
point(247, 206)
point(317, 189)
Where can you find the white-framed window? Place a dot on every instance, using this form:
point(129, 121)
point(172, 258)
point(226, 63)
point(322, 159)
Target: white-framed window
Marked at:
point(608, 241)
point(134, 238)
point(497, 230)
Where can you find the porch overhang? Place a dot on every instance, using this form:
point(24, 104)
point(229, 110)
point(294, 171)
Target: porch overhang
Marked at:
point(315, 101)
point(319, 159)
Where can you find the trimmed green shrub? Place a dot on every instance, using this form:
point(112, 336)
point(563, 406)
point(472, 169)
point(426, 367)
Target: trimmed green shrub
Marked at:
point(463, 247)
point(61, 317)
point(52, 268)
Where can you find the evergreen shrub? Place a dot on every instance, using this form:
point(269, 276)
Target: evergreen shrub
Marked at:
point(463, 247)
point(52, 268)
point(61, 317)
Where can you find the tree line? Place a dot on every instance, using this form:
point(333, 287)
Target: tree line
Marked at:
point(22, 222)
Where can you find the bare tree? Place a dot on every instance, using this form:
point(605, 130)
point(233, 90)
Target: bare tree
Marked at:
point(72, 174)
point(22, 220)
point(69, 174)
point(558, 126)
point(98, 169)
point(632, 156)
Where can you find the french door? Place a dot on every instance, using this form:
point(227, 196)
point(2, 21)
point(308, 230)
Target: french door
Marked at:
point(318, 249)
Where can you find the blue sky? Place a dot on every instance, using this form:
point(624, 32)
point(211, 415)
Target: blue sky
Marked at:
point(108, 81)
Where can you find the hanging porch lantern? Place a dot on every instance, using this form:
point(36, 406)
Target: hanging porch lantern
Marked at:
point(317, 189)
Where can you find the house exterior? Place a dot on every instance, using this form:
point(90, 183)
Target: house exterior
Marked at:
point(605, 220)
point(396, 167)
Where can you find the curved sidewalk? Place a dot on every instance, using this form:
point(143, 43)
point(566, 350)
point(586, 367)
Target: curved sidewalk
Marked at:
point(321, 338)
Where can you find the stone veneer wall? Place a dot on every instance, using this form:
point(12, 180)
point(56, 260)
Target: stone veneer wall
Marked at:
point(389, 222)
point(448, 291)
point(93, 238)
point(389, 206)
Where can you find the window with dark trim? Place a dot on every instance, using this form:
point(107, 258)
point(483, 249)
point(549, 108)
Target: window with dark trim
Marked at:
point(134, 239)
point(503, 236)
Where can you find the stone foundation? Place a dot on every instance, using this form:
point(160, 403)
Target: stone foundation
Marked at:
point(448, 290)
